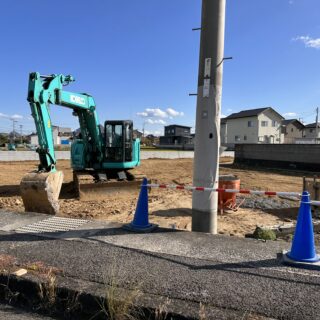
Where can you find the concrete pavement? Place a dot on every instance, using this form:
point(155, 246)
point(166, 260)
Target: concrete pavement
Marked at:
point(232, 277)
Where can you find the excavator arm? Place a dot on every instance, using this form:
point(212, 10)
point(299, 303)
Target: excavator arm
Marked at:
point(46, 90)
point(40, 190)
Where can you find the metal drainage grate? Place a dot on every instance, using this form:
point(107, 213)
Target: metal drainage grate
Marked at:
point(54, 224)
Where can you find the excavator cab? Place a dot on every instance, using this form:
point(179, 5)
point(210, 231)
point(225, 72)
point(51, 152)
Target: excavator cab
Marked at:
point(119, 141)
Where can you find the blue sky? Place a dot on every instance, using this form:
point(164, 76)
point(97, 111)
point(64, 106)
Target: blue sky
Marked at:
point(139, 58)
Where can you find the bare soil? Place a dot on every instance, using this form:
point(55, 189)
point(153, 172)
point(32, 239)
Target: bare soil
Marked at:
point(168, 208)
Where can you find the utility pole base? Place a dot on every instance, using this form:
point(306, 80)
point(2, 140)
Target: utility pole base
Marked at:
point(204, 221)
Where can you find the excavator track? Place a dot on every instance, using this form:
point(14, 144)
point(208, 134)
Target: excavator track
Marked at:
point(88, 188)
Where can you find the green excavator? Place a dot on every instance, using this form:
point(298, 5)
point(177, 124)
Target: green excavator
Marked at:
point(101, 159)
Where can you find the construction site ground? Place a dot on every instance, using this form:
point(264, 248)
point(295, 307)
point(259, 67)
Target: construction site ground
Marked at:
point(168, 208)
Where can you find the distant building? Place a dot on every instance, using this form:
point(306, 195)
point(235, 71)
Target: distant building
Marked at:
point(261, 125)
point(292, 130)
point(137, 134)
point(311, 134)
point(61, 136)
point(177, 136)
point(223, 131)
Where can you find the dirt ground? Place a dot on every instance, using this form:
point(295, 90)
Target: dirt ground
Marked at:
point(169, 208)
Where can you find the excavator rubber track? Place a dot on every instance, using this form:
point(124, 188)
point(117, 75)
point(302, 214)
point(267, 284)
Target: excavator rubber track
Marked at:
point(40, 191)
point(88, 188)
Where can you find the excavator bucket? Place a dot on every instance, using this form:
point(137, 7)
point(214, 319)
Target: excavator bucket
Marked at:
point(40, 191)
point(88, 188)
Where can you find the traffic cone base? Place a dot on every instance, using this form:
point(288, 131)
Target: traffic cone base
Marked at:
point(140, 222)
point(134, 228)
point(314, 264)
point(303, 251)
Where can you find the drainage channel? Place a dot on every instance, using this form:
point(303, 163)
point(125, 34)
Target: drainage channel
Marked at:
point(53, 224)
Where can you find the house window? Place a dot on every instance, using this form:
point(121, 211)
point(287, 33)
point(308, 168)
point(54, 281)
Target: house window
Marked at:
point(264, 123)
point(261, 139)
point(274, 123)
point(291, 129)
point(245, 138)
point(250, 124)
point(237, 138)
point(311, 130)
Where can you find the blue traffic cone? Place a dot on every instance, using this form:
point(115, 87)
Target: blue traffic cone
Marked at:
point(303, 252)
point(140, 222)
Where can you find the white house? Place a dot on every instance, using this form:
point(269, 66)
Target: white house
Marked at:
point(60, 136)
point(261, 125)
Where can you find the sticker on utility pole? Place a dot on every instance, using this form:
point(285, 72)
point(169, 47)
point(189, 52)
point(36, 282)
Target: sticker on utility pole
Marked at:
point(206, 88)
point(207, 67)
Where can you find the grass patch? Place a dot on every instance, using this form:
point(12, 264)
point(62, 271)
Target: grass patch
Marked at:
point(264, 234)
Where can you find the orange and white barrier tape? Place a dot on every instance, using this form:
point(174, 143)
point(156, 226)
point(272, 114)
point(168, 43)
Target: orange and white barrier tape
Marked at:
point(243, 191)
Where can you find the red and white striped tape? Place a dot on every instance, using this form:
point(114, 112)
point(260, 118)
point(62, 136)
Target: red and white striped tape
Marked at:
point(243, 191)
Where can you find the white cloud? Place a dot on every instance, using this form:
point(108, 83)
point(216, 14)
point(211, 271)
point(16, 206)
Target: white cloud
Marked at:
point(174, 113)
point(13, 117)
point(142, 114)
point(151, 121)
point(290, 114)
point(159, 113)
point(156, 113)
point(309, 42)
point(223, 116)
point(16, 117)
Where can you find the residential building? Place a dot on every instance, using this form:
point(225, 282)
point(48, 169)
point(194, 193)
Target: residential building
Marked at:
point(177, 136)
point(293, 130)
point(223, 131)
point(311, 134)
point(312, 131)
point(61, 136)
point(137, 134)
point(261, 125)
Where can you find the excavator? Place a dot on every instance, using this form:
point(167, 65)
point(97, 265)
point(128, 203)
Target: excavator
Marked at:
point(101, 159)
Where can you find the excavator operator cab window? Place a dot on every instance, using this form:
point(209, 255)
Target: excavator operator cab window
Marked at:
point(118, 135)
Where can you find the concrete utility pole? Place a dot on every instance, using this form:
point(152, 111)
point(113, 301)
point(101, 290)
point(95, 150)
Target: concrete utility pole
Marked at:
point(317, 130)
point(13, 131)
point(207, 138)
point(21, 140)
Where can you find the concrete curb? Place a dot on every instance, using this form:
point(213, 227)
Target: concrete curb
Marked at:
point(80, 299)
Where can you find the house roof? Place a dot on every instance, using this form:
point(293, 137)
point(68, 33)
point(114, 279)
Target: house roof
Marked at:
point(177, 125)
point(288, 121)
point(312, 125)
point(250, 113)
